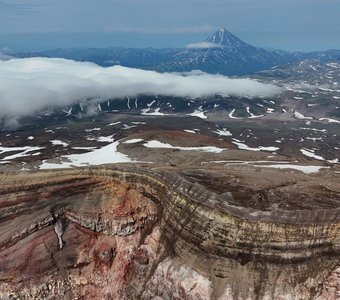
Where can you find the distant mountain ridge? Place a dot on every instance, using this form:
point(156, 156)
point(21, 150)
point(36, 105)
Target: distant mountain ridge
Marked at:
point(231, 56)
point(222, 52)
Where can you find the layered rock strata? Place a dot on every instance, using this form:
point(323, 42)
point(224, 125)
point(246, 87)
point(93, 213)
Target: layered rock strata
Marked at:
point(141, 233)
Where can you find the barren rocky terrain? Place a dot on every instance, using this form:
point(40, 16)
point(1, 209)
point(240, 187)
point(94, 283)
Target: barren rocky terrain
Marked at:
point(177, 198)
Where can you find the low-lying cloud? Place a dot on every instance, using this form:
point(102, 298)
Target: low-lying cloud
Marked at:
point(4, 56)
point(203, 45)
point(30, 85)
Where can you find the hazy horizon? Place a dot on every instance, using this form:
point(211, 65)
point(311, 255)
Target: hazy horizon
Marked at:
point(28, 25)
point(50, 41)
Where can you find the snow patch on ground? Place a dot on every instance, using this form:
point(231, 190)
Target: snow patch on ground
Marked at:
point(126, 127)
point(243, 146)
point(313, 129)
point(156, 112)
point(304, 169)
point(311, 153)
point(157, 144)
point(231, 115)
point(93, 129)
point(198, 113)
point(307, 169)
point(25, 151)
point(252, 116)
point(102, 139)
point(329, 120)
point(84, 148)
point(189, 131)
point(314, 139)
point(59, 143)
point(223, 132)
point(145, 111)
point(132, 141)
point(300, 116)
point(106, 139)
point(115, 123)
point(105, 155)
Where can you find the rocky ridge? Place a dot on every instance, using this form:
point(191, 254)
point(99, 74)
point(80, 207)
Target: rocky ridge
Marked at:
point(133, 232)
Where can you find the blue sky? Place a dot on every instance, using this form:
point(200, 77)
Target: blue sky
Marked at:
point(289, 25)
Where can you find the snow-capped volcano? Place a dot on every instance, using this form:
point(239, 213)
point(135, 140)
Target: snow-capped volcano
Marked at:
point(225, 38)
point(223, 52)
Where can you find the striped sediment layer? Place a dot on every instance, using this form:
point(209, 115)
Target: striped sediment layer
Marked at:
point(197, 230)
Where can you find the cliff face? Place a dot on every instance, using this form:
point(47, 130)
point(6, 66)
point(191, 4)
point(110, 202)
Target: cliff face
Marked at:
point(136, 233)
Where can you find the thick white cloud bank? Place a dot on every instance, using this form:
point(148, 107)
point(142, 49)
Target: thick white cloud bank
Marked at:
point(30, 85)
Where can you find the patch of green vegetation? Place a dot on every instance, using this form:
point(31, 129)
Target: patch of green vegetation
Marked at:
point(179, 104)
point(241, 113)
point(256, 110)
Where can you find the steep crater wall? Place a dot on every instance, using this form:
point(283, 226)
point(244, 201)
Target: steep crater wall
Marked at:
point(122, 229)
